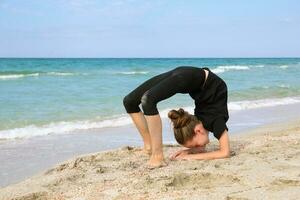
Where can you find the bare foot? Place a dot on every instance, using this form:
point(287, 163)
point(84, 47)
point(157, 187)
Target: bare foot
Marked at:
point(163, 164)
point(144, 151)
point(147, 151)
point(156, 162)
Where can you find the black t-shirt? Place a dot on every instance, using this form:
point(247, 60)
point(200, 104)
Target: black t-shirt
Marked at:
point(210, 97)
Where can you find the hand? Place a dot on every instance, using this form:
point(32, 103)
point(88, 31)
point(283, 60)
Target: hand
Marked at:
point(183, 157)
point(180, 153)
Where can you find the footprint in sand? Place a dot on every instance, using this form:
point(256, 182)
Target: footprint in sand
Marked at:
point(35, 195)
point(71, 178)
point(79, 163)
point(235, 198)
point(185, 180)
point(128, 165)
point(286, 182)
point(137, 151)
point(204, 180)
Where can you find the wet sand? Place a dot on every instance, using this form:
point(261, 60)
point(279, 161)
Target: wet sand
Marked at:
point(264, 164)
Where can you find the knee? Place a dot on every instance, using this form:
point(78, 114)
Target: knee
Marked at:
point(144, 99)
point(131, 104)
point(148, 105)
point(128, 101)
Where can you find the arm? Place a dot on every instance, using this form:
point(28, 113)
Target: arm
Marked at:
point(187, 151)
point(223, 152)
point(196, 150)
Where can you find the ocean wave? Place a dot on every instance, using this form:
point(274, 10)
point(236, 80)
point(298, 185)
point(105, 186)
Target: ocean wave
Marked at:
point(259, 66)
point(60, 73)
point(283, 66)
point(124, 119)
point(274, 87)
point(244, 105)
point(61, 128)
point(284, 86)
point(222, 69)
point(133, 72)
point(16, 76)
point(8, 76)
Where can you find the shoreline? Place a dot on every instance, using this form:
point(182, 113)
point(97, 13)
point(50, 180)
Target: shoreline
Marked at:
point(58, 148)
point(263, 160)
point(65, 127)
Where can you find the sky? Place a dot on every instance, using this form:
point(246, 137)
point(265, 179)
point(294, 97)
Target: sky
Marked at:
point(149, 28)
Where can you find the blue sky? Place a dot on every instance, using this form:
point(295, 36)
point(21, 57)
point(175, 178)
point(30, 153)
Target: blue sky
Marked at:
point(149, 28)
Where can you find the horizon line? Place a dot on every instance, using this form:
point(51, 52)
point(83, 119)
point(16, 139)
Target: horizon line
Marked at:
point(144, 57)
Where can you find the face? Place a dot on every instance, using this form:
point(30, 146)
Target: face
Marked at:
point(200, 138)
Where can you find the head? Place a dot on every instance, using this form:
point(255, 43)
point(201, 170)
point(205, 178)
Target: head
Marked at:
point(188, 129)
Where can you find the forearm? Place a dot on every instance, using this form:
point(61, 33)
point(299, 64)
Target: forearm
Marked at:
point(208, 155)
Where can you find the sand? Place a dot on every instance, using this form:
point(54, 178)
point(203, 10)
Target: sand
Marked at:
point(264, 164)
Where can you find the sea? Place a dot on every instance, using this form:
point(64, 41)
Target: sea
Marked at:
point(42, 96)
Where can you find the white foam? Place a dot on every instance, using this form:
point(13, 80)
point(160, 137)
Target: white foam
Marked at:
point(279, 85)
point(60, 73)
point(222, 69)
point(283, 66)
point(133, 72)
point(68, 127)
point(244, 105)
point(60, 128)
point(124, 119)
point(16, 76)
point(259, 66)
point(284, 85)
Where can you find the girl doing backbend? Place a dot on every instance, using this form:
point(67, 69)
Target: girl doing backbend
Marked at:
point(209, 92)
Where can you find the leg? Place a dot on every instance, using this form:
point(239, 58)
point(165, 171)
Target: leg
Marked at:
point(155, 129)
point(131, 103)
point(141, 124)
point(162, 90)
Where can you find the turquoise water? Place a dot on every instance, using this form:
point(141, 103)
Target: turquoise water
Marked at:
point(43, 96)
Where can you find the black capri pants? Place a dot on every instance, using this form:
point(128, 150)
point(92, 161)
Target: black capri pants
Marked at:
point(152, 91)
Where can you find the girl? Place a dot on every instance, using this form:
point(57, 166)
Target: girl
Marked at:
point(209, 92)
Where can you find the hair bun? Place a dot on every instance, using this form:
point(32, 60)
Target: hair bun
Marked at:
point(179, 117)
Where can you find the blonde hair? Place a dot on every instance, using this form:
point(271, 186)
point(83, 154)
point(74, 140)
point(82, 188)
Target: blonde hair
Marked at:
point(183, 125)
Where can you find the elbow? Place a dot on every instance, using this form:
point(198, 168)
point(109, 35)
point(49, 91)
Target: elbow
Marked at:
point(226, 154)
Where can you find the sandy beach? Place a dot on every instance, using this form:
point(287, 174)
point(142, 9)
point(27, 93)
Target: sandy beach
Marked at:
point(86, 84)
point(264, 164)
